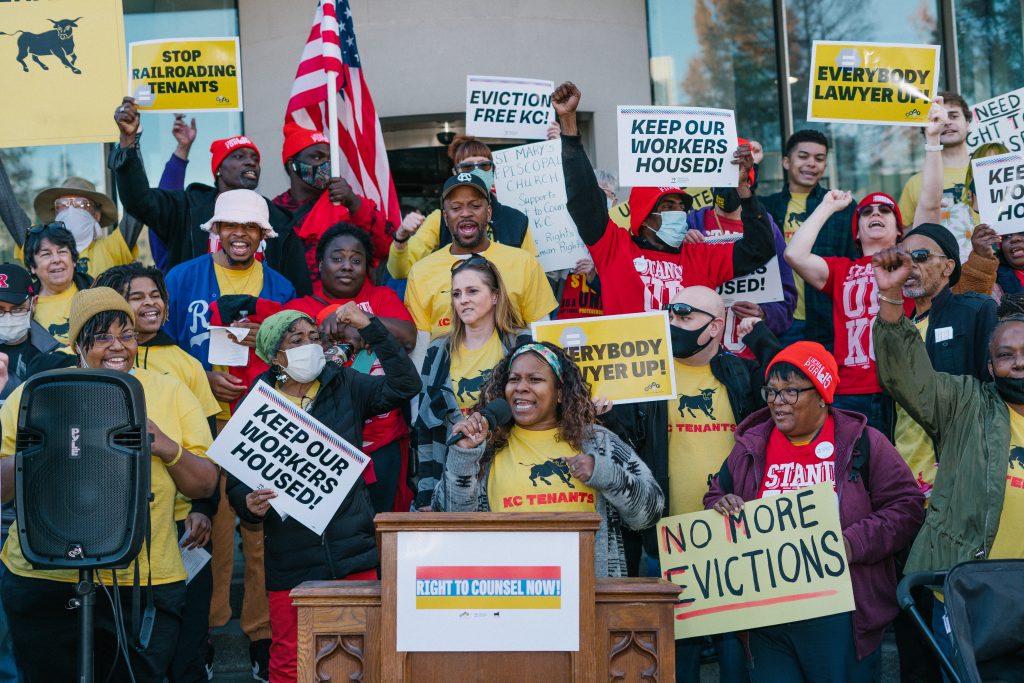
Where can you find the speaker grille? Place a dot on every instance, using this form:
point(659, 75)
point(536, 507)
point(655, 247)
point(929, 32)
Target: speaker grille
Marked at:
point(79, 469)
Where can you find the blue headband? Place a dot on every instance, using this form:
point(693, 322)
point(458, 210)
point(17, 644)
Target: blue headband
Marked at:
point(544, 352)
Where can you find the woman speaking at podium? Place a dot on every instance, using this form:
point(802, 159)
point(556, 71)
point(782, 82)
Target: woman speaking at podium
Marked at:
point(44, 631)
point(554, 457)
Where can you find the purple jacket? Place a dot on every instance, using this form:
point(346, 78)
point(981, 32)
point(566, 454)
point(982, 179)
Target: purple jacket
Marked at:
point(778, 316)
point(877, 525)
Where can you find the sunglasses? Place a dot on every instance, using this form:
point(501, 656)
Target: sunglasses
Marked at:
point(474, 260)
point(470, 166)
point(72, 202)
point(42, 227)
point(922, 255)
point(683, 310)
point(868, 209)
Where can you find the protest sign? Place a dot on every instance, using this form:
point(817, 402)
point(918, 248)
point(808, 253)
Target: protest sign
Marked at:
point(499, 107)
point(780, 559)
point(62, 72)
point(626, 358)
point(270, 443)
point(185, 74)
point(762, 286)
point(885, 83)
point(1000, 184)
point(1000, 119)
point(480, 592)
point(702, 197)
point(530, 179)
point(677, 147)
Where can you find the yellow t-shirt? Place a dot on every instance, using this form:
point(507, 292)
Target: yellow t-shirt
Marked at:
point(952, 191)
point(425, 241)
point(229, 281)
point(1009, 541)
point(529, 475)
point(177, 413)
point(428, 292)
point(302, 402)
point(101, 255)
point(469, 368)
point(914, 444)
point(701, 433)
point(796, 214)
point(52, 313)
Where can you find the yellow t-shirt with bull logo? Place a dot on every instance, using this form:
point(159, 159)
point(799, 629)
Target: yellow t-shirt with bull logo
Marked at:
point(529, 475)
point(701, 432)
point(469, 370)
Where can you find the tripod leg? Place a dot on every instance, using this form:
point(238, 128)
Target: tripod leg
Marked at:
point(86, 592)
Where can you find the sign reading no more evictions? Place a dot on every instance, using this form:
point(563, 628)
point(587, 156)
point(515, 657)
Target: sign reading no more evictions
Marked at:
point(498, 107)
point(1000, 183)
point(270, 443)
point(185, 74)
point(780, 559)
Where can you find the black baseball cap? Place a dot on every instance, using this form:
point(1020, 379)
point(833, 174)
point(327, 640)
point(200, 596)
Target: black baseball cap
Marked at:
point(466, 180)
point(15, 284)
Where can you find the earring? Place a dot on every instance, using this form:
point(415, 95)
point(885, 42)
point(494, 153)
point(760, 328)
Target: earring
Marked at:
point(821, 404)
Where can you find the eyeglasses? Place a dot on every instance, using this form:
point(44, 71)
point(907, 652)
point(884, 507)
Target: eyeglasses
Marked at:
point(102, 341)
point(868, 209)
point(62, 203)
point(475, 260)
point(470, 166)
point(922, 255)
point(789, 395)
point(42, 227)
point(683, 310)
point(20, 310)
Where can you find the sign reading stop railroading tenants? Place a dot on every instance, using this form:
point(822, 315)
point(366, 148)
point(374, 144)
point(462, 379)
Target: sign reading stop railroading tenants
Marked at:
point(778, 560)
point(884, 83)
point(185, 74)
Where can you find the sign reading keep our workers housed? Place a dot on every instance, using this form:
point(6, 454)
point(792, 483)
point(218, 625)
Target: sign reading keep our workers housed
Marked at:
point(185, 74)
point(999, 181)
point(883, 83)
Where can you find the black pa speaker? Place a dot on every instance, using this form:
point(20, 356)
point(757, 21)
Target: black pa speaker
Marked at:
point(82, 461)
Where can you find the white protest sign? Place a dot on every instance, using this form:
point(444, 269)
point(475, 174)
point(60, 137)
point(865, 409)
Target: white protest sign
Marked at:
point(762, 286)
point(464, 591)
point(498, 107)
point(1000, 119)
point(1000, 183)
point(529, 178)
point(677, 147)
point(270, 443)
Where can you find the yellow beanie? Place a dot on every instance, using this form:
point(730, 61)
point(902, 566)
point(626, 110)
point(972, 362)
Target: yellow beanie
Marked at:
point(91, 302)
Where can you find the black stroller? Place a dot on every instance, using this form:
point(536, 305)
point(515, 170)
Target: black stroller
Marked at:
point(985, 608)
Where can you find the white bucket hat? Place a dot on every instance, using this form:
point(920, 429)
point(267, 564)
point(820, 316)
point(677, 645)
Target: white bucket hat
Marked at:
point(241, 206)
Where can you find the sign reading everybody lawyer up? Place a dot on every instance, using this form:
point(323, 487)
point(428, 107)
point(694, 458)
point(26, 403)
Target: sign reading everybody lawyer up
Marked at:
point(1000, 183)
point(499, 107)
point(778, 560)
point(626, 358)
point(185, 74)
point(884, 83)
point(270, 443)
point(676, 147)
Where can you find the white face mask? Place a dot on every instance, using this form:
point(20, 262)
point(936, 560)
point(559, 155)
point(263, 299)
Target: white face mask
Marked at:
point(81, 224)
point(13, 326)
point(305, 362)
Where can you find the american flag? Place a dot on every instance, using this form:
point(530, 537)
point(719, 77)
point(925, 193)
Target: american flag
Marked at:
point(331, 46)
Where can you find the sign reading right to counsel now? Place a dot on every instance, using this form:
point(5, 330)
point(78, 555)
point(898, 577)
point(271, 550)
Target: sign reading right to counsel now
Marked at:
point(883, 83)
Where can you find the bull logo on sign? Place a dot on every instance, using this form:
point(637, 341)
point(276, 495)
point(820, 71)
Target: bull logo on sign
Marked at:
point(58, 42)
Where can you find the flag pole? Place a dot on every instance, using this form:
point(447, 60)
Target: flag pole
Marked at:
point(332, 118)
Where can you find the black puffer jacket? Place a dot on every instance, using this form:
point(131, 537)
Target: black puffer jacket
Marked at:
point(293, 553)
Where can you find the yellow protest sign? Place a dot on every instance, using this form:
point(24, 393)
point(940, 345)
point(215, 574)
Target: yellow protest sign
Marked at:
point(186, 74)
point(780, 559)
point(884, 83)
point(702, 197)
point(626, 358)
point(62, 71)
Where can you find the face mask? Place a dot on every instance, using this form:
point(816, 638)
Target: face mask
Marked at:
point(726, 198)
point(305, 362)
point(314, 176)
point(684, 342)
point(81, 224)
point(673, 228)
point(1011, 390)
point(13, 326)
point(486, 176)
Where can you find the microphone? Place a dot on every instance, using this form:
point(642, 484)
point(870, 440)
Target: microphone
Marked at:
point(498, 413)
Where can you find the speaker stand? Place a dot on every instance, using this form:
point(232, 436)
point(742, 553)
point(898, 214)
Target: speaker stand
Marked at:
point(85, 592)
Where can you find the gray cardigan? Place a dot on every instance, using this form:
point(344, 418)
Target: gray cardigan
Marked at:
point(627, 493)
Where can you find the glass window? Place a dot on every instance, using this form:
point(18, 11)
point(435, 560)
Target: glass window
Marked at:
point(984, 29)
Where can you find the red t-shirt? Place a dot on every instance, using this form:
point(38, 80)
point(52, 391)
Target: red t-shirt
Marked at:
point(851, 285)
point(383, 302)
point(579, 299)
point(634, 280)
point(789, 467)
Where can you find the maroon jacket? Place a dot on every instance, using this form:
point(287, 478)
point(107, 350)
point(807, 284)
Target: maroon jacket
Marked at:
point(877, 525)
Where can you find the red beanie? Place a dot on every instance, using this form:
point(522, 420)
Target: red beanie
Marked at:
point(814, 361)
point(642, 201)
point(297, 138)
point(221, 148)
point(879, 198)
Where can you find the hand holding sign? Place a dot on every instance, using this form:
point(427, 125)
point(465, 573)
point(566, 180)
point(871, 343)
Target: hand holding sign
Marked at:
point(127, 118)
point(729, 504)
point(983, 238)
point(744, 158)
point(938, 118)
point(258, 501)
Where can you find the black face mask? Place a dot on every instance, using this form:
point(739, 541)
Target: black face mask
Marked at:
point(1011, 390)
point(726, 198)
point(684, 342)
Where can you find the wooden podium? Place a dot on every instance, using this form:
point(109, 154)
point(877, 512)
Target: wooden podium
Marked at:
point(348, 629)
